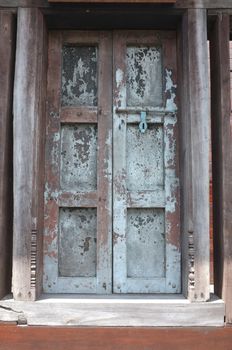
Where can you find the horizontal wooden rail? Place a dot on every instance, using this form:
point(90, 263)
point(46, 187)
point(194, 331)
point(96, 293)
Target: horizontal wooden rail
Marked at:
point(208, 4)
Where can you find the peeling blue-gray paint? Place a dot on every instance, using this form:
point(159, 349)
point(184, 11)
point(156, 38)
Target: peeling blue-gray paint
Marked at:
point(79, 76)
point(144, 76)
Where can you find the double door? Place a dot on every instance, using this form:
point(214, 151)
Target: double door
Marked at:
point(111, 218)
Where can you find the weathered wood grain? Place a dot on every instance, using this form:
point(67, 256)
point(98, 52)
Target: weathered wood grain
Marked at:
point(105, 161)
point(28, 153)
point(85, 338)
point(78, 115)
point(128, 311)
point(184, 149)
point(51, 208)
point(7, 49)
point(222, 159)
point(195, 156)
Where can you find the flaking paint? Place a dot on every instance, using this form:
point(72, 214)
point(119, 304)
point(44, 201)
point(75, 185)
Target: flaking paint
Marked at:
point(79, 76)
point(78, 157)
point(167, 187)
point(170, 91)
point(144, 76)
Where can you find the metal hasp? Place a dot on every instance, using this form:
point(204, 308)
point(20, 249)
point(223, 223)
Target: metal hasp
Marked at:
point(143, 123)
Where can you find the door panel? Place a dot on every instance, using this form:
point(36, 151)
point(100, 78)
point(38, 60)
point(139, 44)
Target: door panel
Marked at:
point(77, 242)
point(78, 222)
point(144, 76)
point(146, 251)
point(144, 172)
point(145, 243)
point(79, 76)
point(78, 157)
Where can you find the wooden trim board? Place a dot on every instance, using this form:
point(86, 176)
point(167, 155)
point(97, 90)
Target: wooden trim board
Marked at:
point(208, 4)
point(166, 311)
point(7, 48)
point(84, 338)
point(91, 338)
point(222, 159)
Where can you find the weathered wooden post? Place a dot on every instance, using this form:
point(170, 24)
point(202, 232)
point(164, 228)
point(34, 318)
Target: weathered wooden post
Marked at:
point(28, 153)
point(195, 127)
point(222, 159)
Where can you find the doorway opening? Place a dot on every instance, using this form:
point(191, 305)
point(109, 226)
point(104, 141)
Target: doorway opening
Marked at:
point(112, 202)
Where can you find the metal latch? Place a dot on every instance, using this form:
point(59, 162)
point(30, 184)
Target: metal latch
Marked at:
point(143, 123)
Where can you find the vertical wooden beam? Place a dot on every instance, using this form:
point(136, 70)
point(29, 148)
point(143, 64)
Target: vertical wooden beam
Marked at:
point(195, 156)
point(222, 159)
point(29, 129)
point(7, 48)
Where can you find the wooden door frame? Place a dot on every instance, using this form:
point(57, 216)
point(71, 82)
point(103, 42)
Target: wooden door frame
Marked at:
point(201, 295)
point(27, 260)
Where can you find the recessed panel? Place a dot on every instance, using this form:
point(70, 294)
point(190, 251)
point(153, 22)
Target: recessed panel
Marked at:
point(144, 157)
point(78, 160)
point(144, 76)
point(145, 240)
point(77, 242)
point(79, 76)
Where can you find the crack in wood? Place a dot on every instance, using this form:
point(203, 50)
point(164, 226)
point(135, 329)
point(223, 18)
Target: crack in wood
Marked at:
point(21, 320)
point(7, 308)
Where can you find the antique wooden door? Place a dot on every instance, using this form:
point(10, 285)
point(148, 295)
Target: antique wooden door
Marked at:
point(78, 222)
point(146, 186)
point(112, 188)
